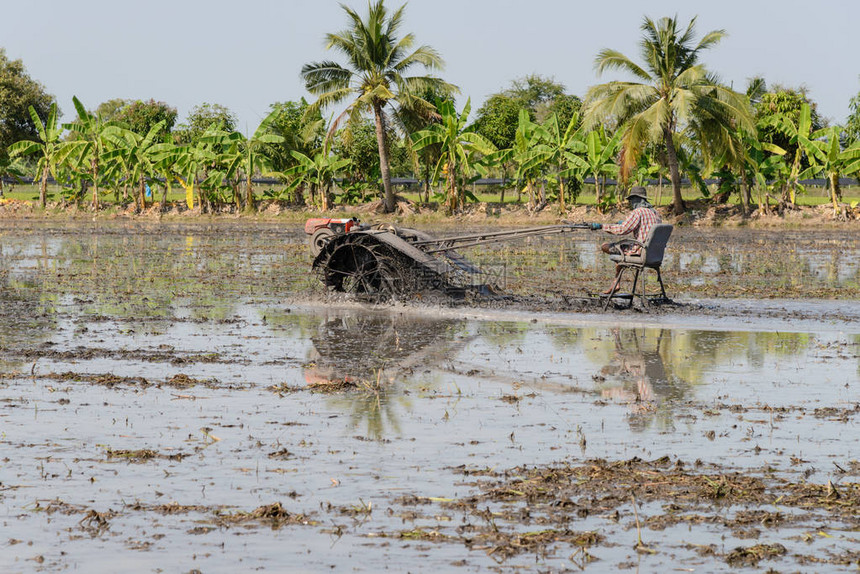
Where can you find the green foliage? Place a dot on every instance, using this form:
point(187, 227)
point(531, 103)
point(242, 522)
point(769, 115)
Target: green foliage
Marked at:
point(46, 148)
point(599, 160)
point(565, 107)
point(10, 168)
point(200, 118)
point(779, 108)
point(19, 92)
point(141, 116)
point(674, 98)
point(318, 172)
point(248, 154)
point(91, 139)
point(825, 153)
point(648, 167)
point(498, 119)
point(851, 158)
point(110, 109)
point(358, 144)
point(376, 76)
point(461, 150)
point(353, 193)
point(555, 151)
point(301, 131)
point(535, 92)
point(528, 163)
point(852, 124)
point(135, 154)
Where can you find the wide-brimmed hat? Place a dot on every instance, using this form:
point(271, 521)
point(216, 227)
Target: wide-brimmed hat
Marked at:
point(638, 191)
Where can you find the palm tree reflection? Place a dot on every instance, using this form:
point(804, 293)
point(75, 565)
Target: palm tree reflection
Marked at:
point(374, 354)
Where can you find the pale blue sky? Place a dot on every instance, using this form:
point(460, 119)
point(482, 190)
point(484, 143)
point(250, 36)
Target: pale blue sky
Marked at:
point(248, 54)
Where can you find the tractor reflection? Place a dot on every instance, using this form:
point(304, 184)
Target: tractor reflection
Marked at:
point(363, 358)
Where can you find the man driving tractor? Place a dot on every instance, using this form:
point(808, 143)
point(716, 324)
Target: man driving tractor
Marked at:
point(640, 221)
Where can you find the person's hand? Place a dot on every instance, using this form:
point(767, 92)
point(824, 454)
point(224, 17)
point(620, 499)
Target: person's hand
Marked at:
point(596, 226)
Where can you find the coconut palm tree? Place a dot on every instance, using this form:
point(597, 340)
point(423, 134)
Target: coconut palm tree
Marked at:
point(675, 100)
point(375, 75)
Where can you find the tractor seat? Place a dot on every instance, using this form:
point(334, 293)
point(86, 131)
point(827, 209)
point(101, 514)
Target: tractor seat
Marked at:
point(649, 257)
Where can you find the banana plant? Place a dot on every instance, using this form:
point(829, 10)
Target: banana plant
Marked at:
point(528, 158)
point(851, 159)
point(554, 149)
point(166, 158)
point(647, 168)
point(137, 155)
point(318, 172)
point(769, 169)
point(92, 143)
point(248, 154)
point(824, 150)
point(799, 134)
point(10, 167)
point(46, 148)
point(598, 160)
point(190, 161)
point(461, 150)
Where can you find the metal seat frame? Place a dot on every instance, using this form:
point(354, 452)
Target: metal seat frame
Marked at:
point(650, 257)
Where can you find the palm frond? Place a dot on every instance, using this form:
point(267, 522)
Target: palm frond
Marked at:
point(327, 99)
point(424, 56)
point(691, 76)
point(619, 100)
point(711, 39)
point(326, 76)
point(614, 60)
point(396, 50)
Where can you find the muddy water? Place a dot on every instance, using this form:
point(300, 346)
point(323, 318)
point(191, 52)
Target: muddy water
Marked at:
point(183, 398)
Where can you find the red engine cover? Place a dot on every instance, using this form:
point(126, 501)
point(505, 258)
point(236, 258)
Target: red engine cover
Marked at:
point(336, 225)
point(312, 225)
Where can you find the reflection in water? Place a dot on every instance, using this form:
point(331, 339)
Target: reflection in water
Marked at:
point(637, 373)
point(374, 351)
point(162, 272)
point(27, 317)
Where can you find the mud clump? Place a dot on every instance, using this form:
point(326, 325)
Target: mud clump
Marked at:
point(108, 380)
point(332, 385)
point(183, 381)
point(275, 515)
point(752, 555)
point(141, 455)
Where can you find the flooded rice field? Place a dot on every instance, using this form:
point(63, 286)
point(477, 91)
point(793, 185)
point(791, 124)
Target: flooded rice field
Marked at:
point(187, 398)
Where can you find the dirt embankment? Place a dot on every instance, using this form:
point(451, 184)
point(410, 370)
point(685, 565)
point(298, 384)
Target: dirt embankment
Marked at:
point(699, 213)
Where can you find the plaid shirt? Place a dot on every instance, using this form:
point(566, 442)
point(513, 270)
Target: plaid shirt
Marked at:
point(639, 222)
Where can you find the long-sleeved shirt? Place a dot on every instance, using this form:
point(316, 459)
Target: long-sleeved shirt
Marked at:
point(639, 222)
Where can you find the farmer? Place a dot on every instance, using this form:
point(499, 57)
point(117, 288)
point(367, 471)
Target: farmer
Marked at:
point(640, 221)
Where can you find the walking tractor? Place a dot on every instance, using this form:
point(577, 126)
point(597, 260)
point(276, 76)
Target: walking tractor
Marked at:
point(387, 261)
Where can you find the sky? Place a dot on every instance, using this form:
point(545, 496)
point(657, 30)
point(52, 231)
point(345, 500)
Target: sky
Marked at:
point(248, 54)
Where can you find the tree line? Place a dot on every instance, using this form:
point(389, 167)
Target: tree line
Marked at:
point(390, 114)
